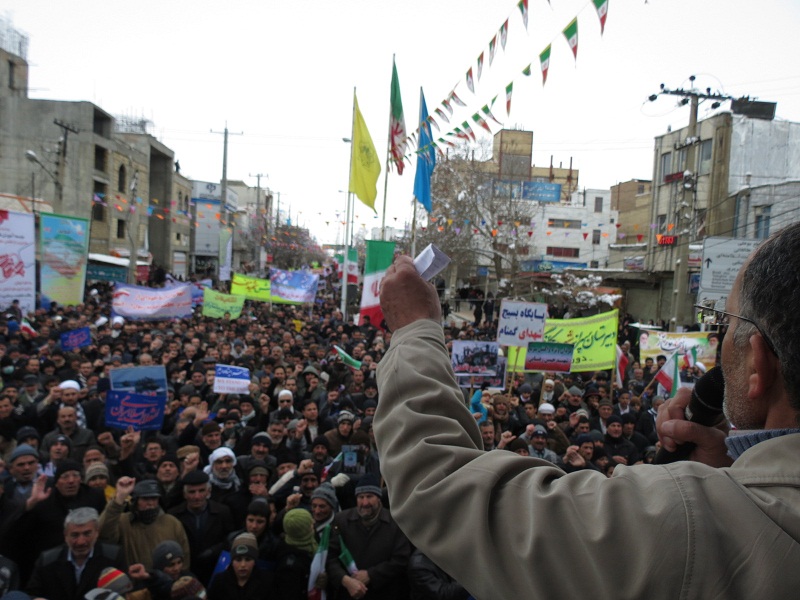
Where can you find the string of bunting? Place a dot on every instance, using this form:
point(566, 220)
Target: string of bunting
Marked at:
point(483, 116)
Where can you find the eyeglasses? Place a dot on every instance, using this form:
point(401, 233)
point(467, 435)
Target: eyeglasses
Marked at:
point(722, 318)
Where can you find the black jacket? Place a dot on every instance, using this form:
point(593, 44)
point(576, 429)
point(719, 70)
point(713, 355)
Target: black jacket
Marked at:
point(53, 575)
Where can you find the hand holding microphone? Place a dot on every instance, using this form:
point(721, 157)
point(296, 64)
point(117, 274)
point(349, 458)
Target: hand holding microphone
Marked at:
point(688, 424)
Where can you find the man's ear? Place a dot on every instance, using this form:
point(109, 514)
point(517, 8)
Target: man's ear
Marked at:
point(765, 368)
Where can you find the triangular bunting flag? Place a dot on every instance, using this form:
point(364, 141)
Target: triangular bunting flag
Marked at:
point(509, 89)
point(480, 65)
point(504, 34)
point(492, 49)
point(527, 70)
point(468, 130)
point(454, 97)
point(470, 81)
point(446, 104)
point(571, 33)
point(602, 13)
point(523, 8)
point(479, 120)
point(544, 59)
point(487, 111)
point(440, 113)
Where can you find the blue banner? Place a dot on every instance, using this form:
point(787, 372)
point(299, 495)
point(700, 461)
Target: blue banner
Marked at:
point(96, 272)
point(293, 286)
point(535, 191)
point(549, 266)
point(77, 338)
point(141, 412)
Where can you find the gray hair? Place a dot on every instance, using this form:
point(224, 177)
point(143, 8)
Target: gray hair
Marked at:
point(769, 295)
point(81, 516)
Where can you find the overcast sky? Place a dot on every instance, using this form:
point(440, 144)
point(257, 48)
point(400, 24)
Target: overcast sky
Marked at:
point(282, 72)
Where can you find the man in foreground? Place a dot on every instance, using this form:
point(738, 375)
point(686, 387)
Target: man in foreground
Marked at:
point(711, 527)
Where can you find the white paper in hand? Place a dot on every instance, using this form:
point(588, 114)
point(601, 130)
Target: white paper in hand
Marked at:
point(430, 262)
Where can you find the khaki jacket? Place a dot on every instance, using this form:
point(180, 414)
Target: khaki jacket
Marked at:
point(507, 526)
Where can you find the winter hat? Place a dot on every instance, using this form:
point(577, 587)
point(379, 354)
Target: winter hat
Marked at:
point(583, 438)
point(606, 402)
point(195, 478)
point(525, 388)
point(321, 440)
point(345, 416)
point(170, 458)
point(23, 450)
point(546, 409)
point(298, 525)
point(245, 544)
point(27, 432)
point(261, 437)
point(147, 488)
point(209, 428)
point(538, 430)
point(369, 484)
point(115, 580)
point(326, 492)
point(98, 594)
point(65, 467)
point(165, 553)
point(576, 391)
point(188, 587)
point(613, 419)
point(95, 470)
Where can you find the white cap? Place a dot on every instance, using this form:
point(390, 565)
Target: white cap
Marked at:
point(547, 409)
point(117, 320)
point(101, 321)
point(70, 384)
point(700, 366)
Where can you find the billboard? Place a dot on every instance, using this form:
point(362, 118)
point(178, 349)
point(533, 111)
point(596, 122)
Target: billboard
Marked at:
point(17, 260)
point(64, 249)
point(535, 191)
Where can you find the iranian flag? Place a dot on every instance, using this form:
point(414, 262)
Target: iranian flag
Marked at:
point(25, 327)
point(397, 124)
point(509, 90)
point(602, 12)
point(669, 375)
point(379, 258)
point(346, 558)
point(622, 365)
point(523, 8)
point(690, 358)
point(346, 358)
point(571, 33)
point(318, 566)
point(350, 266)
point(544, 60)
point(470, 81)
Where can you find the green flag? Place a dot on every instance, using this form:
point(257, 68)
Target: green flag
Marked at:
point(571, 33)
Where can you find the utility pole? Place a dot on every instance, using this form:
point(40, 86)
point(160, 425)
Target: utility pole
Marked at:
point(224, 182)
point(258, 219)
point(133, 227)
point(692, 96)
point(62, 159)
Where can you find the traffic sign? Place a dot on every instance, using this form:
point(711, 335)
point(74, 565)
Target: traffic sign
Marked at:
point(722, 259)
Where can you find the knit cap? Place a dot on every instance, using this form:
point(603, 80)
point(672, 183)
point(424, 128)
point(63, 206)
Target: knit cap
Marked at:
point(114, 580)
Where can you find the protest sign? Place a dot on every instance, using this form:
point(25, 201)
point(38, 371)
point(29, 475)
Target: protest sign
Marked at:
point(77, 338)
point(150, 381)
point(474, 358)
point(151, 304)
point(216, 304)
point(141, 412)
point(293, 287)
point(546, 356)
point(251, 288)
point(231, 380)
point(520, 323)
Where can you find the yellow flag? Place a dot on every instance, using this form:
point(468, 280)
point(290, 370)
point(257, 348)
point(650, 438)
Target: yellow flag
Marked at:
point(365, 167)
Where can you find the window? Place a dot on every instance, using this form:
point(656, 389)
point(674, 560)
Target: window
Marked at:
point(98, 202)
point(598, 204)
point(595, 237)
point(705, 157)
point(666, 165)
point(120, 229)
point(100, 158)
point(681, 160)
point(11, 74)
point(594, 264)
point(557, 252)
point(564, 223)
point(762, 221)
point(661, 224)
point(121, 179)
point(640, 189)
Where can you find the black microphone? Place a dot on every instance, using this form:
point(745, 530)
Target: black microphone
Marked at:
point(705, 408)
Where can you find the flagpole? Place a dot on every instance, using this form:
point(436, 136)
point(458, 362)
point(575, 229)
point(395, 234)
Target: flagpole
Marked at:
point(388, 162)
point(414, 218)
point(348, 238)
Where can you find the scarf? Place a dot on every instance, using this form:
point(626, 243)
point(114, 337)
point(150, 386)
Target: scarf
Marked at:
point(231, 482)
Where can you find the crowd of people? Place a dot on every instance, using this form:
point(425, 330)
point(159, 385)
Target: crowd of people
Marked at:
point(233, 496)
